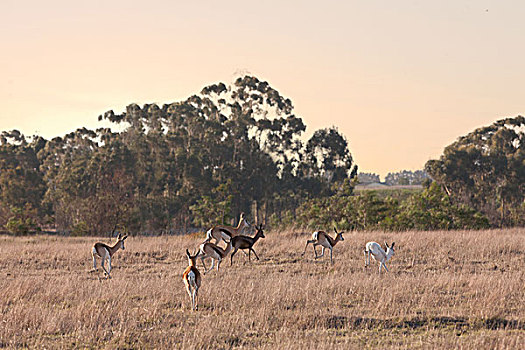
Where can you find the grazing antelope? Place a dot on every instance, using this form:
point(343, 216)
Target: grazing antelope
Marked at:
point(325, 241)
point(192, 279)
point(104, 251)
point(245, 242)
point(378, 254)
point(213, 251)
point(226, 232)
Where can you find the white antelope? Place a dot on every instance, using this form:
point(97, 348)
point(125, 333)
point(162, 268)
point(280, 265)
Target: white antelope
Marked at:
point(104, 252)
point(192, 279)
point(325, 241)
point(225, 232)
point(245, 242)
point(377, 252)
point(213, 251)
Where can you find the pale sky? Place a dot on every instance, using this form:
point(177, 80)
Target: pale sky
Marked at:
point(400, 79)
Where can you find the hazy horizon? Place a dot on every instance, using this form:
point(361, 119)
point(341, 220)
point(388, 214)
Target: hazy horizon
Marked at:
point(400, 80)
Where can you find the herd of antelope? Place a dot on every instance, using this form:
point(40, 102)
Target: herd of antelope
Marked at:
point(234, 241)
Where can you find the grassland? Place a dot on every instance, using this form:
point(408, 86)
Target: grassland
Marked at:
point(459, 289)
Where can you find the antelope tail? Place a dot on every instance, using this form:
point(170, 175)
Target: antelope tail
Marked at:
point(208, 234)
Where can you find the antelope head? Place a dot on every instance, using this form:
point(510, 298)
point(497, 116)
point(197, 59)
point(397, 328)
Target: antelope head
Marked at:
point(390, 249)
point(340, 234)
point(260, 231)
point(120, 240)
point(192, 259)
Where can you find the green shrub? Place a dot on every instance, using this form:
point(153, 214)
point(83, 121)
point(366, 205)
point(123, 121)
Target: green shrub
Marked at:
point(80, 229)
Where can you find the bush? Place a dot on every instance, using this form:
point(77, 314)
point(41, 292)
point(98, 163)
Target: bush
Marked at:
point(20, 223)
point(430, 209)
point(16, 226)
point(80, 229)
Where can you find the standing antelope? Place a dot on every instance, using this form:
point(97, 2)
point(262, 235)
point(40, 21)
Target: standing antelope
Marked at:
point(192, 279)
point(104, 251)
point(213, 251)
point(325, 241)
point(245, 242)
point(226, 232)
point(378, 254)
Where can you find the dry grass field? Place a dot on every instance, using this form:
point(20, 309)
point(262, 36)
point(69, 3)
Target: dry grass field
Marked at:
point(459, 289)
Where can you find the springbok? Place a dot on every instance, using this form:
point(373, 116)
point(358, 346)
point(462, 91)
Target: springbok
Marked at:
point(225, 232)
point(213, 251)
point(245, 242)
point(192, 279)
point(325, 241)
point(378, 254)
point(104, 252)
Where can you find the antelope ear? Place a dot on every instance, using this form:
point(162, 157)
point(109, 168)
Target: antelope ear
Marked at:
point(126, 236)
point(392, 246)
point(335, 230)
point(188, 253)
point(386, 244)
point(119, 235)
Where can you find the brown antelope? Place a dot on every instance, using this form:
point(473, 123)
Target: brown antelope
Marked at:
point(104, 251)
point(225, 232)
point(325, 241)
point(377, 252)
point(192, 279)
point(245, 242)
point(213, 251)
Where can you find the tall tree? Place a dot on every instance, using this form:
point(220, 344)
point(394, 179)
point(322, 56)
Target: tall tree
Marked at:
point(327, 155)
point(21, 183)
point(486, 170)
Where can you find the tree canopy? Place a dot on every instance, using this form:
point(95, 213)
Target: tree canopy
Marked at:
point(486, 171)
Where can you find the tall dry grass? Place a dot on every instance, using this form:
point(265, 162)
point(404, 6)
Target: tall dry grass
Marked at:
point(447, 289)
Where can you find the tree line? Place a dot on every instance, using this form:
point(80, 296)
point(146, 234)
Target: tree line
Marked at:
point(231, 149)
point(400, 178)
point(193, 163)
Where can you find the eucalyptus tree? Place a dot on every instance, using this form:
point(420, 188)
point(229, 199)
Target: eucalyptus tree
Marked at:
point(327, 156)
point(257, 118)
point(486, 170)
point(21, 183)
point(56, 155)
